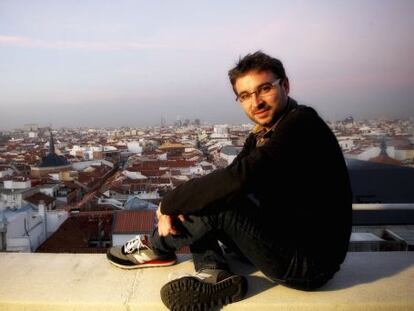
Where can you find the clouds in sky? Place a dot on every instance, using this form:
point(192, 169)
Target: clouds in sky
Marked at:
point(106, 63)
point(30, 43)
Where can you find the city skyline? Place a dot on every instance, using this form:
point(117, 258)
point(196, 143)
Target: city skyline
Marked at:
point(106, 64)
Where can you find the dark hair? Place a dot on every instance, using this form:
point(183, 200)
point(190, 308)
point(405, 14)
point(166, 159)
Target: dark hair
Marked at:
point(257, 61)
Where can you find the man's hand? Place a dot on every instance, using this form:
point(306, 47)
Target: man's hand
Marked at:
point(166, 223)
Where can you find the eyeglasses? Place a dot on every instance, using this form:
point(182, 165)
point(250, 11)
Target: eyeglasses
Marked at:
point(264, 90)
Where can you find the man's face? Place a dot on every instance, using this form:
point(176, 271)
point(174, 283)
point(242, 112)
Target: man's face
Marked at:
point(262, 110)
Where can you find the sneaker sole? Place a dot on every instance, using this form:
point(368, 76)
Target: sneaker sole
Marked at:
point(149, 264)
point(189, 293)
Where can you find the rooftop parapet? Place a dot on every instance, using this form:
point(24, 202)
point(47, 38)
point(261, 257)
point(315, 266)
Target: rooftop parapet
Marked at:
point(367, 281)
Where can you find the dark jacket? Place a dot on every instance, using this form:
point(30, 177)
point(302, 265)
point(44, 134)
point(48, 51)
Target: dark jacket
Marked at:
point(299, 177)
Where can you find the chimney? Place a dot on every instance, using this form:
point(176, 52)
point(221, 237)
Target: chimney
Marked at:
point(42, 213)
point(3, 229)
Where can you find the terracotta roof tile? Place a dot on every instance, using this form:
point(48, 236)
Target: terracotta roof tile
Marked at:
point(141, 221)
point(74, 234)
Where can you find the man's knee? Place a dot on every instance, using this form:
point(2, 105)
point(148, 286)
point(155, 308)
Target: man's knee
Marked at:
point(308, 284)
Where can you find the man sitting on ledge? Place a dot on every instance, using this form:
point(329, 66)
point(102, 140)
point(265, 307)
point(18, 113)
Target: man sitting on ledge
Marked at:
point(284, 203)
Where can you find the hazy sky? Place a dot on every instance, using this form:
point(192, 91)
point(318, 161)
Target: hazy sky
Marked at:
point(114, 63)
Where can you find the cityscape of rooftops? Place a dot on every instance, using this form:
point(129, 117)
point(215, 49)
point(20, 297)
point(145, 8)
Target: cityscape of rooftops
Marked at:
point(107, 106)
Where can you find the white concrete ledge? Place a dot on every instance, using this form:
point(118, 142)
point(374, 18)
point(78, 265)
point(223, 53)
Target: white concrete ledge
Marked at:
point(367, 281)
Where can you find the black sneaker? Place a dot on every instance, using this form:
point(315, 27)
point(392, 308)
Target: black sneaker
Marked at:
point(136, 253)
point(204, 290)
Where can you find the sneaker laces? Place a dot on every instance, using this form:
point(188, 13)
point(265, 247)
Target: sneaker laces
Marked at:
point(134, 245)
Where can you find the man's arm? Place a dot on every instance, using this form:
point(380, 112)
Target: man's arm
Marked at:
point(249, 173)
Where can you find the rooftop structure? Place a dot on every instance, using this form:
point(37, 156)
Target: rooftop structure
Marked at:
point(380, 183)
point(383, 157)
point(52, 159)
point(51, 163)
point(85, 232)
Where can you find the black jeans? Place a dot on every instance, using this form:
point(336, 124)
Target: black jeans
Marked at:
point(240, 226)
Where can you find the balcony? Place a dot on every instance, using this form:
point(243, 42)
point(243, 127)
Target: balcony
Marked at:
point(38, 281)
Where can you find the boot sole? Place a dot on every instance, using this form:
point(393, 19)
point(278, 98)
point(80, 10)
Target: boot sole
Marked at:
point(190, 293)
